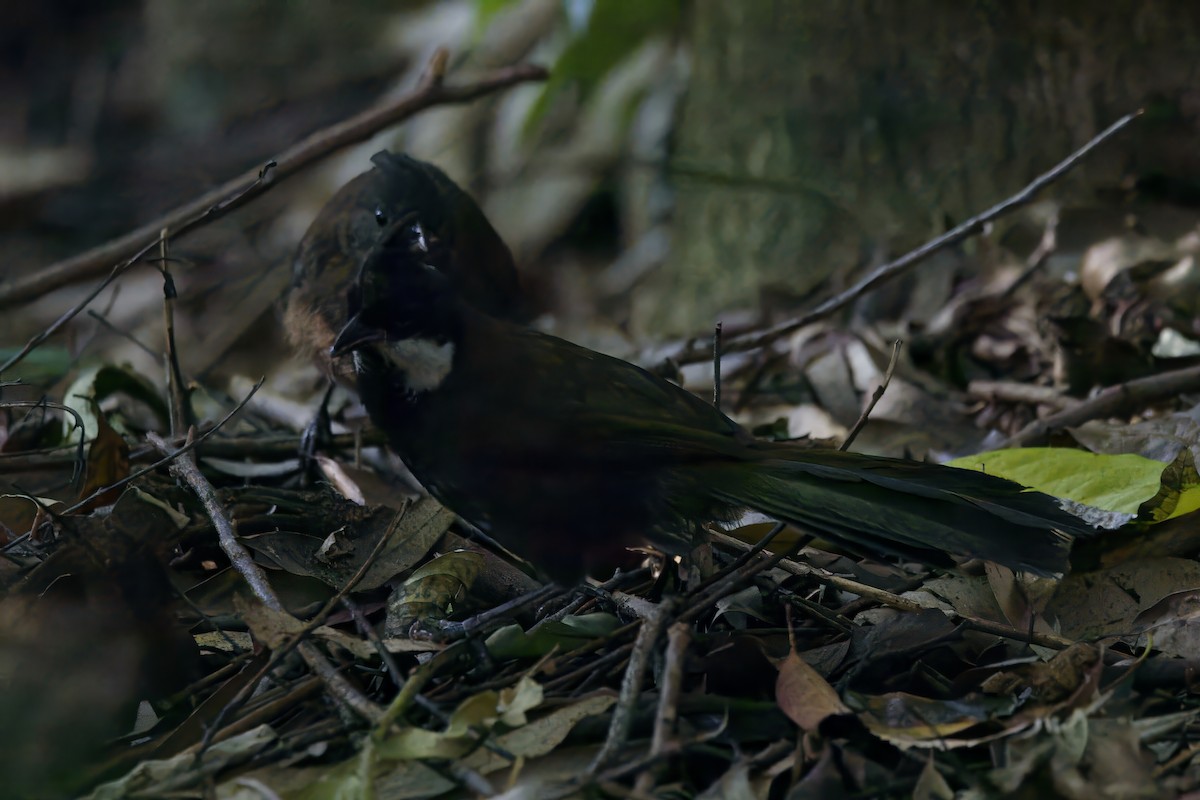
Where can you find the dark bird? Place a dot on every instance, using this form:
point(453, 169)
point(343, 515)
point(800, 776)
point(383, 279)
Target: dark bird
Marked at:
point(399, 188)
point(569, 456)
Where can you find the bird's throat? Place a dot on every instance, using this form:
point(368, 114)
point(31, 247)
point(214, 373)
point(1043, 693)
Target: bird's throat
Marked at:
point(424, 363)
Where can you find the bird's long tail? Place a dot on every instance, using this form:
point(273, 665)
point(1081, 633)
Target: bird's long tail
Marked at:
point(923, 511)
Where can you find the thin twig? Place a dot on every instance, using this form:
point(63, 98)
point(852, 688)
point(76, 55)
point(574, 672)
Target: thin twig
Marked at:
point(573, 788)
point(582, 596)
point(48, 405)
point(389, 662)
point(480, 734)
point(1017, 392)
point(215, 732)
point(679, 637)
point(1112, 401)
point(631, 684)
point(589, 668)
point(79, 460)
point(412, 687)
point(493, 616)
point(430, 91)
point(741, 561)
point(181, 411)
point(876, 396)
point(124, 334)
point(691, 351)
point(190, 444)
point(758, 562)
point(116, 272)
point(265, 709)
point(1046, 247)
point(899, 603)
point(240, 447)
point(183, 464)
point(716, 357)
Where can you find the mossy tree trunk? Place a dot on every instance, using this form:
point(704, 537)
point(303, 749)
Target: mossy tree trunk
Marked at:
point(814, 134)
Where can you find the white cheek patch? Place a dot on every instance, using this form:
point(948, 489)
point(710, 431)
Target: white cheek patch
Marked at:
point(424, 362)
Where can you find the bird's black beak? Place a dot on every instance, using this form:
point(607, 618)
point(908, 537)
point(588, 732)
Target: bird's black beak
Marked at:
point(354, 335)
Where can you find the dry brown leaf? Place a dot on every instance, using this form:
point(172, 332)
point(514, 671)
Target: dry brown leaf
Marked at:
point(804, 695)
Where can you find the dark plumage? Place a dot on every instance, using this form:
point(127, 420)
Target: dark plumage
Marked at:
point(569, 456)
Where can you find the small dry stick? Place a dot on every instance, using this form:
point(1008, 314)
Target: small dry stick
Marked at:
point(739, 577)
point(1016, 392)
point(430, 91)
point(741, 561)
point(364, 626)
point(121, 332)
point(607, 781)
point(1046, 247)
point(631, 684)
point(412, 687)
point(189, 445)
point(119, 270)
point(691, 352)
point(904, 604)
point(181, 412)
point(1112, 401)
point(582, 596)
point(679, 637)
point(875, 397)
point(717, 367)
point(505, 611)
point(213, 733)
point(183, 464)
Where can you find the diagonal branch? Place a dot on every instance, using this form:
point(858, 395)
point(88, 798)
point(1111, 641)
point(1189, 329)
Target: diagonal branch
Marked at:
point(219, 201)
point(694, 351)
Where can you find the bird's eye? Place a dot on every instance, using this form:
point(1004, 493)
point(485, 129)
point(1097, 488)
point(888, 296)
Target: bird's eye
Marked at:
point(380, 217)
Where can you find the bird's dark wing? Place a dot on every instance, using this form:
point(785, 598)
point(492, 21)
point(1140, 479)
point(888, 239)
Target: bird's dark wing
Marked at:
point(598, 406)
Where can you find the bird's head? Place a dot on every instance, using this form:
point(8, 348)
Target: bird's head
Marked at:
point(402, 309)
point(459, 238)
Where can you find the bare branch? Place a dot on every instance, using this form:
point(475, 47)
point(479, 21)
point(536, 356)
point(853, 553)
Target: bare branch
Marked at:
point(693, 350)
point(234, 194)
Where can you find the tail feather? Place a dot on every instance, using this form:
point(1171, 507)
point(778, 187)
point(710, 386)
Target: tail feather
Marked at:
point(909, 509)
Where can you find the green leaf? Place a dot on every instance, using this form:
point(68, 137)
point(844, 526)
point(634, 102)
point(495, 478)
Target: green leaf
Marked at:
point(613, 31)
point(486, 9)
point(1178, 491)
point(1113, 482)
point(479, 712)
point(513, 642)
point(94, 384)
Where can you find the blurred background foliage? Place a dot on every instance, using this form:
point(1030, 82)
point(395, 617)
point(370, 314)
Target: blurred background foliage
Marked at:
point(686, 162)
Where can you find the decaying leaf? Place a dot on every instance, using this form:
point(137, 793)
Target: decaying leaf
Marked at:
point(474, 716)
point(432, 591)
point(804, 695)
point(417, 527)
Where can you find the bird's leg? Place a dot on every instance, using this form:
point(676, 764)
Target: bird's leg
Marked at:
point(317, 435)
